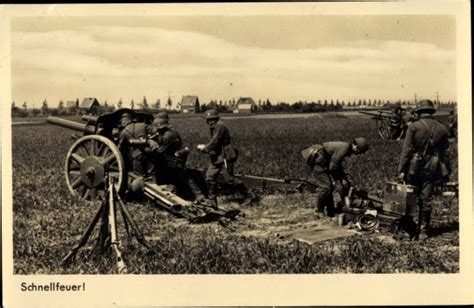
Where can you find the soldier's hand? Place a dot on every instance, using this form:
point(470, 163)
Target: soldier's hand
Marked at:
point(201, 147)
point(401, 177)
point(346, 183)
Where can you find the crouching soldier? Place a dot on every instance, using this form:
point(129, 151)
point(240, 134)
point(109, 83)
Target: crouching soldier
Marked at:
point(425, 160)
point(325, 161)
point(132, 143)
point(222, 157)
point(166, 149)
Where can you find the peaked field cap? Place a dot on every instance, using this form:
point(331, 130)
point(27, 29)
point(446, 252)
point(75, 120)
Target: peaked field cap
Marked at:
point(362, 144)
point(426, 106)
point(211, 114)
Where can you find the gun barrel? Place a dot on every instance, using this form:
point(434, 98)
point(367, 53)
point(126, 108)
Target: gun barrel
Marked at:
point(89, 118)
point(69, 124)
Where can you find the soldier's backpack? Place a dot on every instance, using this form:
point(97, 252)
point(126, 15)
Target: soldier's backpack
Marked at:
point(309, 154)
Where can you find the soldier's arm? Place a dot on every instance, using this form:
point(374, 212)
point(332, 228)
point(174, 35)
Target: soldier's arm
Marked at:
point(165, 143)
point(335, 165)
point(407, 150)
point(445, 154)
point(215, 139)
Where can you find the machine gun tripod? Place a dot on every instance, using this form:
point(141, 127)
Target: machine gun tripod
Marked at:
point(108, 237)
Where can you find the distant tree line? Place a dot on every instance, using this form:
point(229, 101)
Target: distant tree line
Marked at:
point(263, 106)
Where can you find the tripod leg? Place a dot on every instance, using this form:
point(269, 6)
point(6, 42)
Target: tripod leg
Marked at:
point(84, 237)
point(121, 267)
point(127, 228)
point(104, 234)
point(136, 230)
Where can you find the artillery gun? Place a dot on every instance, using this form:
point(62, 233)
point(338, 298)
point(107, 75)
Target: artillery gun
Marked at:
point(95, 169)
point(383, 124)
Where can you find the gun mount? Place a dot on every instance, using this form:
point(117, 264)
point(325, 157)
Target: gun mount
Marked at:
point(384, 122)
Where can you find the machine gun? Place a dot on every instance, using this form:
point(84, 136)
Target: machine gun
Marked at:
point(383, 124)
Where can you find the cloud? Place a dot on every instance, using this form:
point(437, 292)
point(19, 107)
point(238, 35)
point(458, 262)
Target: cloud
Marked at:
point(104, 53)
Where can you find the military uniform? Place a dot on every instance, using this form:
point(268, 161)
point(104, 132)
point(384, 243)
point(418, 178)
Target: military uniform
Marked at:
point(453, 124)
point(134, 154)
point(170, 160)
point(425, 158)
point(397, 122)
point(222, 157)
point(326, 167)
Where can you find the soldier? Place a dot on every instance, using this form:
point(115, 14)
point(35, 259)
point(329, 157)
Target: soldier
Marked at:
point(325, 161)
point(132, 143)
point(170, 158)
point(222, 157)
point(425, 160)
point(453, 124)
point(163, 115)
point(413, 117)
point(396, 121)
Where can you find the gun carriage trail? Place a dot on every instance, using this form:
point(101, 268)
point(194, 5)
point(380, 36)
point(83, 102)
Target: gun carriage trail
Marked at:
point(277, 232)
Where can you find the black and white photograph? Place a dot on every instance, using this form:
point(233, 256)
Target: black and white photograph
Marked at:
point(245, 139)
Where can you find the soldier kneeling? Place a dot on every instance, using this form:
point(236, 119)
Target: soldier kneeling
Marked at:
point(325, 161)
point(170, 157)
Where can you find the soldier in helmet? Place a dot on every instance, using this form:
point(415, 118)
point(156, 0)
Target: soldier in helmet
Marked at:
point(163, 115)
point(397, 123)
point(222, 157)
point(425, 160)
point(132, 143)
point(170, 158)
point(325, 161)
point(453, 124)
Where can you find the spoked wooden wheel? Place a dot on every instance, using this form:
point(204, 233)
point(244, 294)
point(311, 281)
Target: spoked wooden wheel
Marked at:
point(88, 162)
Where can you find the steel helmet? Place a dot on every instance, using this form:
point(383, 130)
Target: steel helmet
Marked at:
point(162, 115)
point(211, 114)
point(362, 144)
point(126, 115)
point(160, 123)
point(425, 106)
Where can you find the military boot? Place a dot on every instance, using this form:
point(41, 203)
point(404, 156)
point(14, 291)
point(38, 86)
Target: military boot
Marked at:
point(425, 225)
point(319, 207)
point(330, 209)
point(212, 196)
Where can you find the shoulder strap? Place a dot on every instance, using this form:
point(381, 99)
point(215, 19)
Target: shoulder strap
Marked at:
point(430, 140)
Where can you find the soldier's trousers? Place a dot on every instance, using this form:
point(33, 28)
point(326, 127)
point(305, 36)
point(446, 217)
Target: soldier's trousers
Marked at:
point(424, 189)
point(324, 188)
point(212, 173)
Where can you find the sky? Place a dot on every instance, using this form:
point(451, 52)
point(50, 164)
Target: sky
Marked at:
point(282, 58)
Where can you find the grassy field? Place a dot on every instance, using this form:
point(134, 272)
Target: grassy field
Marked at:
point(47, 220)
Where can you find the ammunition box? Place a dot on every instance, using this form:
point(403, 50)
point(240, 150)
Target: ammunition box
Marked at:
point(400, 199)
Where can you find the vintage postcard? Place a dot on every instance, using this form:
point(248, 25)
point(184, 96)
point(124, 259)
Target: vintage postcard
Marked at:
point(236, 154)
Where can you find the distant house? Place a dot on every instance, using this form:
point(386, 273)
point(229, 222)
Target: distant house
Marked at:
point(245, 105)
point(189, 103)
point(89, 105)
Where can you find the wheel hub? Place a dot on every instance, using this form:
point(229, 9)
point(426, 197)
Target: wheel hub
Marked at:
point(92, 172)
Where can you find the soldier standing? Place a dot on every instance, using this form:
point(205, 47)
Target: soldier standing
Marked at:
point(170, 158)
point(222, 157)
point(396, 121)
point(325, 161)
point(425, 160)
point(453, 124)
point(132, 143)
